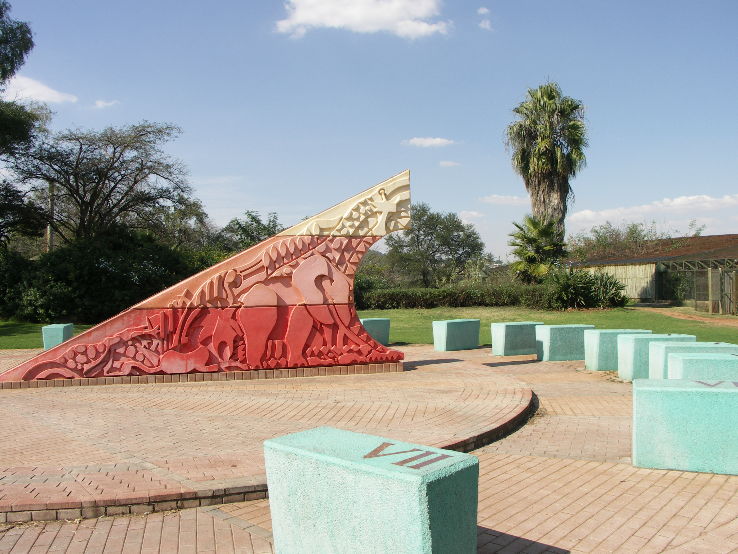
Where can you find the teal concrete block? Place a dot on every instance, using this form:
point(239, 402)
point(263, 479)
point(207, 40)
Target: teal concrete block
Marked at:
point(658, 354)
point(685, 425)
point(378, 328)
point(56, 334)
point(601, 347)
point(633, 351)
point(455, 334)
point(334, 491)
point(514, 338)
point(703, 366)
point(560, 342)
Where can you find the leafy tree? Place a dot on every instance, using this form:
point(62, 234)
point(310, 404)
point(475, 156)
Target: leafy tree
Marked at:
point(18, 123)
point(89, 280)
point(18, 214)
point(547, 143)
point(101, 179)
point(16, 41)
point(538, 245)
point(435, 249)
point(240, 234)
point(626, 240)
point(183, 225)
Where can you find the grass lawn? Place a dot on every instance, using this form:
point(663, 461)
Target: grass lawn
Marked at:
point(414, 326)
point(26, 335)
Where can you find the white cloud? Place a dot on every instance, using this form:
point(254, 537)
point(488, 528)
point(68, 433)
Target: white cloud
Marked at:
point(25, 88)
point(485, 24)
point(469, 216)
point(102, 104)
point(428, 142)
point(448, 163)
point(690, 205)
point(404, 18)
point(483, 11)
point(502, 200)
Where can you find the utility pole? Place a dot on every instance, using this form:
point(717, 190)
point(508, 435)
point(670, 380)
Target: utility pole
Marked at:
point(49, 228)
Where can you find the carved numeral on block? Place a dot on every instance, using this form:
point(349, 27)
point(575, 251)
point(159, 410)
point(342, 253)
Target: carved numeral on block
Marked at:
point(377, 453)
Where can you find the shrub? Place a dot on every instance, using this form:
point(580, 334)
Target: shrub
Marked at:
point(14, 269)
point(576, 288)
point(90, 280)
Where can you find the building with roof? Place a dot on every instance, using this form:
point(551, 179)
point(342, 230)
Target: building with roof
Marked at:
point(698, 271)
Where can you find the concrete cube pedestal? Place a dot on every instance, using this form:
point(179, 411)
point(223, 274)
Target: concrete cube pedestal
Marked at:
point(378, 328)
point(514, 338)
point(633, 351)
point(56, 334)
point(601, 347)
point(658, 354)
point(334, 491)
point(685, 425)
point(560, 342)
point(690, 365)
point(455, 334)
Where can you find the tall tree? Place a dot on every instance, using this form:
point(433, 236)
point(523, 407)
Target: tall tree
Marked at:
point(18, 214)
point(240, 234)
point(537, 245)
point(100, 179)
point(16, 41)
point(435, 249)
point(547, 143)
point(17, 122)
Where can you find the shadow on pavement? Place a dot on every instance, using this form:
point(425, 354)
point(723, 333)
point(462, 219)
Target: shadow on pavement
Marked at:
point(409, 366)
point(511, 362)
point(489, 540)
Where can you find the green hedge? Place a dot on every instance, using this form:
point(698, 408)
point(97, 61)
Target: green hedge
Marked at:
point(455, 297)
point(564, 289)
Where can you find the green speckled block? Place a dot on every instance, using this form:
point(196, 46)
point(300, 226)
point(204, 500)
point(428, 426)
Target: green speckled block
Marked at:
point(685, 425)
point(334, 491)
point(633, 353)
point(378, 328)
point(56, 334)
point(560, 342)
point(601, 347)
point(455, 334)
point(514, 338)
point(703, 366)
point(658, 354)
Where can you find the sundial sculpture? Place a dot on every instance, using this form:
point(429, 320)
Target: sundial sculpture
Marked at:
point(286, 302)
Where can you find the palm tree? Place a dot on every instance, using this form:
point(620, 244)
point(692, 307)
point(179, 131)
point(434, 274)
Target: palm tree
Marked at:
point(547, 145)
point(537, 245)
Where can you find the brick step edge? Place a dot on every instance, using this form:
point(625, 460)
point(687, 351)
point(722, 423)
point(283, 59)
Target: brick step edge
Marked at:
point(323, 371)
point(516, 421)
point(257, 492)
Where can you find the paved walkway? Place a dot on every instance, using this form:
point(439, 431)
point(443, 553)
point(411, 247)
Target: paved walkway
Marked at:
point(560, 483)
point(74, 450)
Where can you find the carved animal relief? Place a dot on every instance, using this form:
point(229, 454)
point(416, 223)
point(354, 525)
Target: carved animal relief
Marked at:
point(286, 302)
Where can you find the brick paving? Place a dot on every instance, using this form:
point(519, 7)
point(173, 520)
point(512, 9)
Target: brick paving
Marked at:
point(106, 450)
point(542, 489)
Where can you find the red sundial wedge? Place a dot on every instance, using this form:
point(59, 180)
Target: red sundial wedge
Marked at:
point(284, 303)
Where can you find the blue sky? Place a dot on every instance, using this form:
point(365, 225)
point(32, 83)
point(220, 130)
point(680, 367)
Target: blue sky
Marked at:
point(293, 106)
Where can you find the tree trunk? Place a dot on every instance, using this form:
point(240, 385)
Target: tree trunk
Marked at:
point(549, 201)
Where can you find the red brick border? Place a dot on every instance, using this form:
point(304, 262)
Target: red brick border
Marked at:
point(323, 371)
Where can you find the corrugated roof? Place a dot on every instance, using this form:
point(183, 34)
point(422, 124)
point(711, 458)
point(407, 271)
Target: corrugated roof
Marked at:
point(710, 247)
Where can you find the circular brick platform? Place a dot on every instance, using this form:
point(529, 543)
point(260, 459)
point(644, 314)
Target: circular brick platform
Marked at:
point(86, 451)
